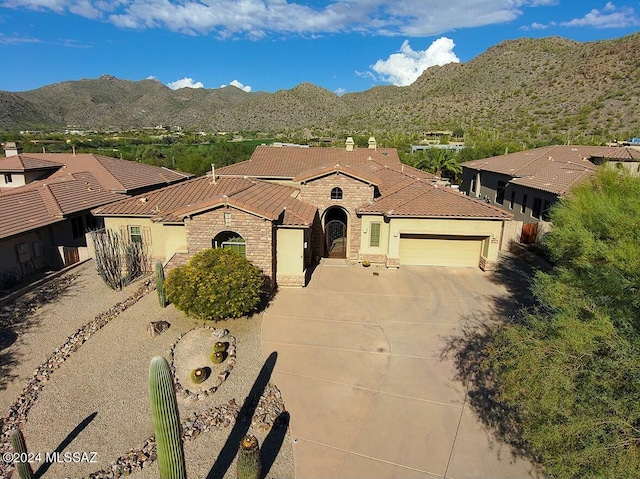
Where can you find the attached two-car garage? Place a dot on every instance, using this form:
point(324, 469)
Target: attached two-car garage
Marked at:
point(440, 250)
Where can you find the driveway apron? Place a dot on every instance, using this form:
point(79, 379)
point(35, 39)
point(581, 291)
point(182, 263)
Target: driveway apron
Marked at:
point(360, 369)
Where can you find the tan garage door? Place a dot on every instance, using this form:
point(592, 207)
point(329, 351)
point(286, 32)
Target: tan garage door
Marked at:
point(429, 250)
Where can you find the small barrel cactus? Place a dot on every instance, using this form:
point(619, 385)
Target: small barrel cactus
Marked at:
point(166, 420)
point(218, 356)
point(220, 346)
point(162, 296)
point(248, 465)
point(20, 448)
point(199, 375)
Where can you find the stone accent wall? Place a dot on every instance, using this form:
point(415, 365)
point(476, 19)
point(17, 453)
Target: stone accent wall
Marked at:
point(393, 262)
point(511, 232)
point(291, 281)
point(486, 265)
point(257, 232)
point(375, 258)
point(355, 193)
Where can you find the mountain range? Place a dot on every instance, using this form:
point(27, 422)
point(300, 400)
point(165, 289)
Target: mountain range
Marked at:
point(533, 88)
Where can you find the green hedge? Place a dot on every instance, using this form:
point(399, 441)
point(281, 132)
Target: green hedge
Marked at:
point(215, 284)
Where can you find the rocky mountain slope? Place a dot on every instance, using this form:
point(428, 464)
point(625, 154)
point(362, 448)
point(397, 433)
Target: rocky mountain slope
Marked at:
point(536, 88)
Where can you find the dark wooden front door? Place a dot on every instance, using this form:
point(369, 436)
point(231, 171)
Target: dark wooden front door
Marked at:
point(529, 233)
point(71, 255)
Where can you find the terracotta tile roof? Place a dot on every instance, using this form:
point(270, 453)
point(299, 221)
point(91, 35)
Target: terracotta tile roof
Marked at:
point(162, 203)
point(358, 173)
point(553, 168)
point(42, 204)
point(556, 177)
point(423, 200)
point(379, 167)
point(116, 175)
point(24, 163)
point(173, 203)
point(289, 161)
point(79, 183)
point(24, 212)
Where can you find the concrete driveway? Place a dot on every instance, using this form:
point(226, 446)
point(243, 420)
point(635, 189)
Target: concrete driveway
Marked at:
point(360, 369)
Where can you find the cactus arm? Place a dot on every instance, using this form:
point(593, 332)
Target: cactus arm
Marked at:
point(166, 420)
point(19, 446)
point(162, 296)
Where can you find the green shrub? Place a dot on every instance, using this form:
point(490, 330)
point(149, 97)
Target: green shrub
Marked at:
point(215, 284)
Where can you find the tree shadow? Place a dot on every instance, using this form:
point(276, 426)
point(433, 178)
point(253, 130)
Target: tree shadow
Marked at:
point(469, 351)
point(243, 421)
point(19, 316)
point(273, 442)
point(65, 442)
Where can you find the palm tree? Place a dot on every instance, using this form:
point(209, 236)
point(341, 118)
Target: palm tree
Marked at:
point(438, 161)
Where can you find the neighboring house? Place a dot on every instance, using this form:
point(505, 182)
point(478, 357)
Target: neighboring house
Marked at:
point(288, 206)
point(46, 200)
point(528, 183)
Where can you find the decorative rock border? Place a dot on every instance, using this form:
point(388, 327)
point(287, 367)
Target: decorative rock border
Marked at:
point(265, 417)
point(18, 411)
point(218, 335)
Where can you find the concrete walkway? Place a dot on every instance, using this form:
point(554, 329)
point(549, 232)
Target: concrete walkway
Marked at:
point(360, 369)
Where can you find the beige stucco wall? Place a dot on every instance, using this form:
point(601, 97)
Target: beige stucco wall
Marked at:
point(34, 257)
point(162, 241)
point(372, 253)
point(290, 257)
point(390, 235)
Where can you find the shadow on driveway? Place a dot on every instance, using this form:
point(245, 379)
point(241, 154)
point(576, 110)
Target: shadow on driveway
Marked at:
point(469, 352)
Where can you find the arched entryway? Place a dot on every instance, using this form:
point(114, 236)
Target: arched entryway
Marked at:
point(335, 232)
point(230, 240)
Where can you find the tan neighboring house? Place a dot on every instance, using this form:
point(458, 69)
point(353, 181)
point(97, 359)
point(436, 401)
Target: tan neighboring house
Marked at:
point(287, 207)
point(528, 183)
point(46, 201)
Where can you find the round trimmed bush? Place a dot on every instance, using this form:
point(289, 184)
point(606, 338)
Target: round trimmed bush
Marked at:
point(215, 284)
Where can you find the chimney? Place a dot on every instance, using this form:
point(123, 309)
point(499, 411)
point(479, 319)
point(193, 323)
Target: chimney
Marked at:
point(213, 174)
point(11, 149)
point(373, 145)
point(349, 144)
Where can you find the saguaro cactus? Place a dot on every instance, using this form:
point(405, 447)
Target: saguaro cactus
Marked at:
point(166, 420)
point(248, 465)
point(162, 296)
point(20, 448)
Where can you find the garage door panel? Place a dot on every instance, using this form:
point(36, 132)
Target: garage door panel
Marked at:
point(426, 250)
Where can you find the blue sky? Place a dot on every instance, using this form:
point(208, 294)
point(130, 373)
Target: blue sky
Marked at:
point(268, 45)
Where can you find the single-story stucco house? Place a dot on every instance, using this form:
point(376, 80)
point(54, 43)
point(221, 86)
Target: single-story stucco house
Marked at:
point(288, 206)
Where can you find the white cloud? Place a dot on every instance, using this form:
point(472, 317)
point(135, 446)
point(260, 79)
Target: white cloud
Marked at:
point(609, 17)
point(538, 26)
point(403, 68)
point(260, 18)
point(16, 39)
point(340, 91)
point(184, 83)
point(239, 85)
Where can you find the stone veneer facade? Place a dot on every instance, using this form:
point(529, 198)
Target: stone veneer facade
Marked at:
point(355, 193)
point(258, 234)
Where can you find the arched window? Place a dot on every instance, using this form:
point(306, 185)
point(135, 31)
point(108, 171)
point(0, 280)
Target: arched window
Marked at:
point(230, 240)
point(336, 193)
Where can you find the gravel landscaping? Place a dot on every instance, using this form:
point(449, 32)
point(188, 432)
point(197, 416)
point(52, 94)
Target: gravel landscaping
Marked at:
point(96, 398)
